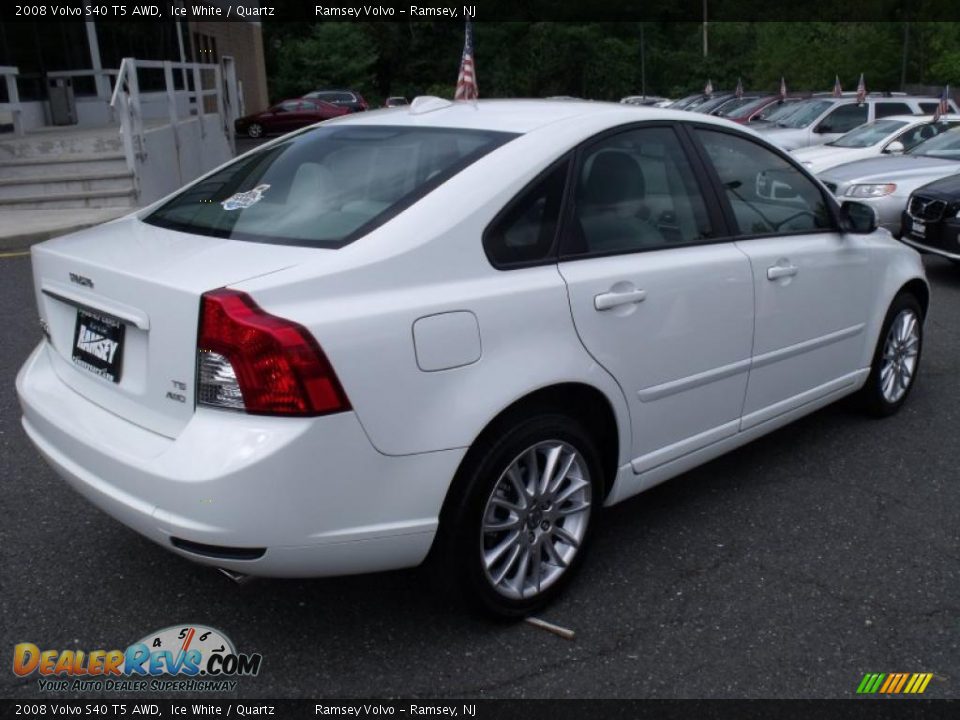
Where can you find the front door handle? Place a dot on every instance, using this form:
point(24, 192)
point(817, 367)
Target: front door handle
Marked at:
point(610, 300)
point(781, 271)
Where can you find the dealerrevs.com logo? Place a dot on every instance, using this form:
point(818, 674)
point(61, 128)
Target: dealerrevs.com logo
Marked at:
point(189, 658)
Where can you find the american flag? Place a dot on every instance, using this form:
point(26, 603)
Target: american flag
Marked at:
point(861, 90)
point(837, 90)
point(708, 88)
point(739, 91)
point(783, 88)
point(467, 79)
point(943, 107)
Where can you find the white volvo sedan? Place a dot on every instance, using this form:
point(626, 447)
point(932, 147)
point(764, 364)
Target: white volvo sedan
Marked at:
point(456, 329)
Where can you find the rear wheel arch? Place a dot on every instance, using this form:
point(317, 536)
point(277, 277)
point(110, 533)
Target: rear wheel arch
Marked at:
point(581, 402)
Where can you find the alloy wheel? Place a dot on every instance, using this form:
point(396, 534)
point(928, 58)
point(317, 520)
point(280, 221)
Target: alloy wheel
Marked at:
point(536, 519)
point(901, 350)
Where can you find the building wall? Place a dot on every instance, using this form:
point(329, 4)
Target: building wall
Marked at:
point(242, 40)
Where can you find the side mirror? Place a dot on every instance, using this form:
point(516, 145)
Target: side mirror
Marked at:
point(857, 218)
point(894, 148)
point(823, 127)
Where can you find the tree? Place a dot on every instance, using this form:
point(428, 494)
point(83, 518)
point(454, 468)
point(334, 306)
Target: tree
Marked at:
point(333, 55)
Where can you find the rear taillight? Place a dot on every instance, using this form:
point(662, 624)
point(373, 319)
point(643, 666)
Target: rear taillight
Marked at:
point(250, 360)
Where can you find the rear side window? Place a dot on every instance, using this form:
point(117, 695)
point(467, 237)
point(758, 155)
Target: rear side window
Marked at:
point(885, 109)
point(524, 233)
point(767, 194)
point(326, 186)
point(636, 191)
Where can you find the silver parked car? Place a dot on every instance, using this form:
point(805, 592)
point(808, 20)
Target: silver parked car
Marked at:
point(821, 120)
point(885, 183)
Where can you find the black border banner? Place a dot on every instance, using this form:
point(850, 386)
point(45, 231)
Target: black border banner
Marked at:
point(490, 10)
point(875, 709)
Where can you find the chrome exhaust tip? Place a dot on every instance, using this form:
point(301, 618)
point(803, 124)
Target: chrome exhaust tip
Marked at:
point(237, 577)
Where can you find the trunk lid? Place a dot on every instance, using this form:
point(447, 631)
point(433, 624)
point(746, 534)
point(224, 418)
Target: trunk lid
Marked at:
point(149, 279)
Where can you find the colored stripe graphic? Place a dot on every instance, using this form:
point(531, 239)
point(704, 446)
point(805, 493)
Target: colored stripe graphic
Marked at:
point(894, 683)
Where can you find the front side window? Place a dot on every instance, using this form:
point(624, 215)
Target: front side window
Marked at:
point(767, 194)
point(914, 136)
point(636, 191)
point(946, 146)
point(844, 119)
point(326, 186)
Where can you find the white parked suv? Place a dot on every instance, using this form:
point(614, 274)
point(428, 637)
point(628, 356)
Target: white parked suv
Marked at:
point(460, 327)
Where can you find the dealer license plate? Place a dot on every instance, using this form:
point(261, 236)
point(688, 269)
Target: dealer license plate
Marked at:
point(98, 344)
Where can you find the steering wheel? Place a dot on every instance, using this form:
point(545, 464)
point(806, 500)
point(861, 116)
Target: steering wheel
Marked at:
point(777, 226)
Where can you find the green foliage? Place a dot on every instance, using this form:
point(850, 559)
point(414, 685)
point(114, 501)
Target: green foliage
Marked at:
point(603, 60)
point(333, 55)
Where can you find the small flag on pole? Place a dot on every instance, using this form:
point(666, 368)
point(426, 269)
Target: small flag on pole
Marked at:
point(739, 91)
point(783, 88)
point(837, 90)
point(943, 107)
point(467, 79)
point(861, 90)
point(708, 88)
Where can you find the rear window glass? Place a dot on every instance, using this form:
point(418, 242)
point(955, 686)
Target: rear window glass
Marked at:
point(332, 96)
point(326, 186)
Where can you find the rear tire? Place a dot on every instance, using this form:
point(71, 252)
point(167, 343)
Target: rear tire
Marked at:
point(514, 534)
point(896, 359)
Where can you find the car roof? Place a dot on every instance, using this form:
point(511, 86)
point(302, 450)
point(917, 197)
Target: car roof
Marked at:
point(919, 118)
point(515, 116)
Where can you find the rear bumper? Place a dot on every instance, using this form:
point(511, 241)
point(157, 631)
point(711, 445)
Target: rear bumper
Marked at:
point(312, 493)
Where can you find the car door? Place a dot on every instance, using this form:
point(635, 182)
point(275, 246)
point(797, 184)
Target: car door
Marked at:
point(658, 297)
point(812, 283)
point(285, 115)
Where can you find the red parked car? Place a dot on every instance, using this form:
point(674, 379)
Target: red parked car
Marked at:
point(760, 107)
point(286, 116)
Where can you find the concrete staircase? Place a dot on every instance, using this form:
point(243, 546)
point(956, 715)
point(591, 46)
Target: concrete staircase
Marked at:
point(57, 169)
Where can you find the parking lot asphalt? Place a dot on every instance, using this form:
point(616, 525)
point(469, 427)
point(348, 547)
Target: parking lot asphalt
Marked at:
point(788, 568)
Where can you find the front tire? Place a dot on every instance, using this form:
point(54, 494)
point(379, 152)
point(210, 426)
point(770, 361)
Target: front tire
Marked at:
point(255, 130)
point(528, 500)
point(896, 359)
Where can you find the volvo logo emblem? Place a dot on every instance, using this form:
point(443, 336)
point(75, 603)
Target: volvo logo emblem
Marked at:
point(81, 280)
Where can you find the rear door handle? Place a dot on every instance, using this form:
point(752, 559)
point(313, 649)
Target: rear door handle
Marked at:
point(781, 271)
point(610, 300)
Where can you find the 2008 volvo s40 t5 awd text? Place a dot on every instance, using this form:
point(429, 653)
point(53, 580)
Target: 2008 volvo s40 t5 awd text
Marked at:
point(457, 329)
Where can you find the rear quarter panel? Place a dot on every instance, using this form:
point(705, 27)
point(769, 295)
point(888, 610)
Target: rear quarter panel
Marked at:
point(362, 301)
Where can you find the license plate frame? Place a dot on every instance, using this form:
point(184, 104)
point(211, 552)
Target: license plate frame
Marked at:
point(918, 228)
point(98, 342)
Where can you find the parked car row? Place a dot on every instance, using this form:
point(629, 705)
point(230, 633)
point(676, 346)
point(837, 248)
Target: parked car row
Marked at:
point(888, 181)
point(822, 119)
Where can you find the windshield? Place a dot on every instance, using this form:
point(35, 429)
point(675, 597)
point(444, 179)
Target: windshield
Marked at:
point(326, 186)
point(869, 134)
point(804, 114)
point(775, 113)
point(945, 145)
point(748, 108)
